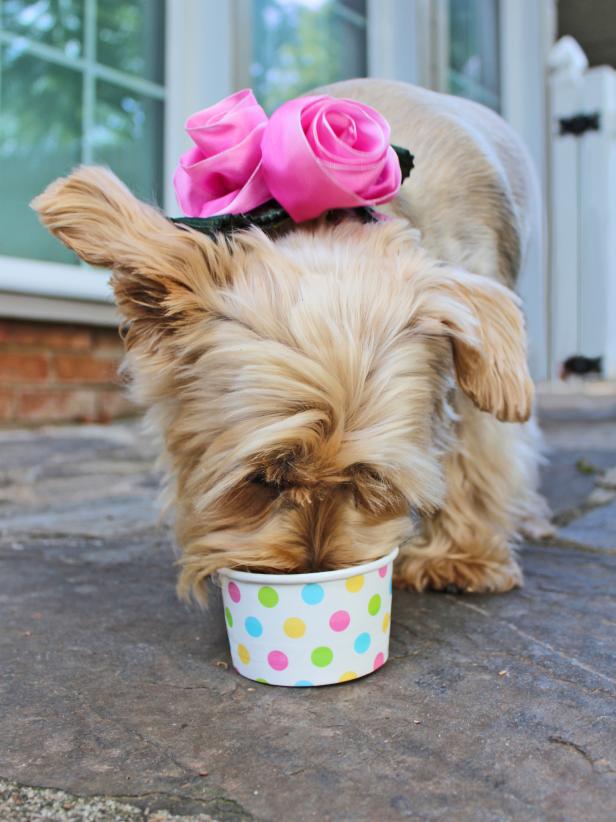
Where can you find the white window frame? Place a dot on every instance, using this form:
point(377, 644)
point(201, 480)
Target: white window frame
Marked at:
point(198, 72)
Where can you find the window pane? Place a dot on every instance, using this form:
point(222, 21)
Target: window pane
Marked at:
point(473, 50)
point(299, 44)
point(131, 37)
point(40, 139)
point(128, 137)
point(358, 6)
point(56, 23)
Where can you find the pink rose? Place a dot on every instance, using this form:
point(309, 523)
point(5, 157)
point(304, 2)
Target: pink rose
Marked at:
point(222, 174)
point(326, 152)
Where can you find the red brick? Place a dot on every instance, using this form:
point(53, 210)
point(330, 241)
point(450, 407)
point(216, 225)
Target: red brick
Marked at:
point(77, 405)
point(78, 368)
point(115, 404)
point(57, 372)
point(107, 338)
point(45, 335)
point(7, 405)
point(16, 366)
point(5, 330)
point(71, 338)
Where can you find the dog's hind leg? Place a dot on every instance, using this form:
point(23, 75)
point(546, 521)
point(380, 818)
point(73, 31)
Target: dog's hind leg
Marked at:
point(492, 476)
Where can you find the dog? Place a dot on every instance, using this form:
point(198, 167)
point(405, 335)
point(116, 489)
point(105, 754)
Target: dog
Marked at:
point(344, 387)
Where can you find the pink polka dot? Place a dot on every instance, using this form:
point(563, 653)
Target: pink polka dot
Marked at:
point(383, 571)
point(379, 660)
point(277, 660)
point(339, 621)
point(234, 592)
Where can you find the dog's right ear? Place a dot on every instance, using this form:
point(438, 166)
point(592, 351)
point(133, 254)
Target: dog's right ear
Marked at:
point(162, 273)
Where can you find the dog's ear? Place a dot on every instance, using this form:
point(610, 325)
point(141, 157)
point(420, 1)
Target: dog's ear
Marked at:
point(486, 327)
point(161, 272)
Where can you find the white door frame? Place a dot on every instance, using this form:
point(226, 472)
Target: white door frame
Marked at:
point(528, 31)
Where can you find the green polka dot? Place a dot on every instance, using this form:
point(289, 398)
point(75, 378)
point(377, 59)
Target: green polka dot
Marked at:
point(322, 657)
point(268, 597)
point(262, 681)
point(374, 606)
point(229, 618)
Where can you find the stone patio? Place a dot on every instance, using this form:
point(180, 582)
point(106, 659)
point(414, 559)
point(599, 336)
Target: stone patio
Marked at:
point(118, 702)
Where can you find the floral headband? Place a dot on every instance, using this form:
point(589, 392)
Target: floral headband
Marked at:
point(313, 155)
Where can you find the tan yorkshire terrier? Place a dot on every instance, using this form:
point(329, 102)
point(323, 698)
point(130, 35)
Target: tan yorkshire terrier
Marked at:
point(340, 387)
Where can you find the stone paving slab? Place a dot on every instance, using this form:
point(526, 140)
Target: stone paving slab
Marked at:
point(490, 708)
point(596, 528)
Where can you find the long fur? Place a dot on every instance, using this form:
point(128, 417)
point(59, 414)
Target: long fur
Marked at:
point(320, 397)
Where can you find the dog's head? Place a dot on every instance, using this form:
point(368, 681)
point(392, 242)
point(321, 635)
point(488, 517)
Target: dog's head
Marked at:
point(300, 385)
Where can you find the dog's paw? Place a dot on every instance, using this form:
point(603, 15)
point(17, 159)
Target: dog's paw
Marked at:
point(460, 575)
point(536, 524)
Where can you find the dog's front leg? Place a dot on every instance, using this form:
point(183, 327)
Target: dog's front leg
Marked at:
point(491, 476)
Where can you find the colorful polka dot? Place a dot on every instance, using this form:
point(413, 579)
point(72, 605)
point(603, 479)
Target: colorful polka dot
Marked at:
point(277, 660)
point(312, 594)
point(355, 584)
point(362, 643)
point(280, 630)
point(339, 621)
point(268, 597)
point(374, 606)
point(253, 626)
point(294, 627)
point(322, 657)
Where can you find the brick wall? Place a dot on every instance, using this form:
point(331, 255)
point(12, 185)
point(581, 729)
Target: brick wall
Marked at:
point(54, 372)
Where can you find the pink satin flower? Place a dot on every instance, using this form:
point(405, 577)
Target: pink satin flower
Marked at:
point(222, 174)
point(326, 152)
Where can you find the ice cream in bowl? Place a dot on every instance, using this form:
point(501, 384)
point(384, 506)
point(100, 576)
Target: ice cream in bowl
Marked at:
point(300, 630)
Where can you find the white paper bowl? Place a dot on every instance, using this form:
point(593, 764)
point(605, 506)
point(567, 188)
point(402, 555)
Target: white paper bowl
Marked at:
point(309, 629)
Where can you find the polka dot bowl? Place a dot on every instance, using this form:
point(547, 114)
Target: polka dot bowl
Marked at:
point(309, 629)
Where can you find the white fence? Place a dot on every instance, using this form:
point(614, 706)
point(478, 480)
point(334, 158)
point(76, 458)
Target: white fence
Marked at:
point(583, 216)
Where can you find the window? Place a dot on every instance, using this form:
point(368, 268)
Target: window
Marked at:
point(80, 81)
point(299, 44)
point(473, 69)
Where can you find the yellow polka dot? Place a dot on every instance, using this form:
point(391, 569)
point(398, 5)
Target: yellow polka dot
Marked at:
point(294, 627)
point(355, 584)
point(386, 622)
point(242, 652)
point(348, 676)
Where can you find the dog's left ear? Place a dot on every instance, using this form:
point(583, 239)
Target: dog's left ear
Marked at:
point(162, 274)
point(485, 324)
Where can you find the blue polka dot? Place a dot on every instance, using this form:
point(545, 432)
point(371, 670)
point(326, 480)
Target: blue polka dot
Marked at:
point(253, 626)
point(303, 683)
point(312, 594)
point(362, 643)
